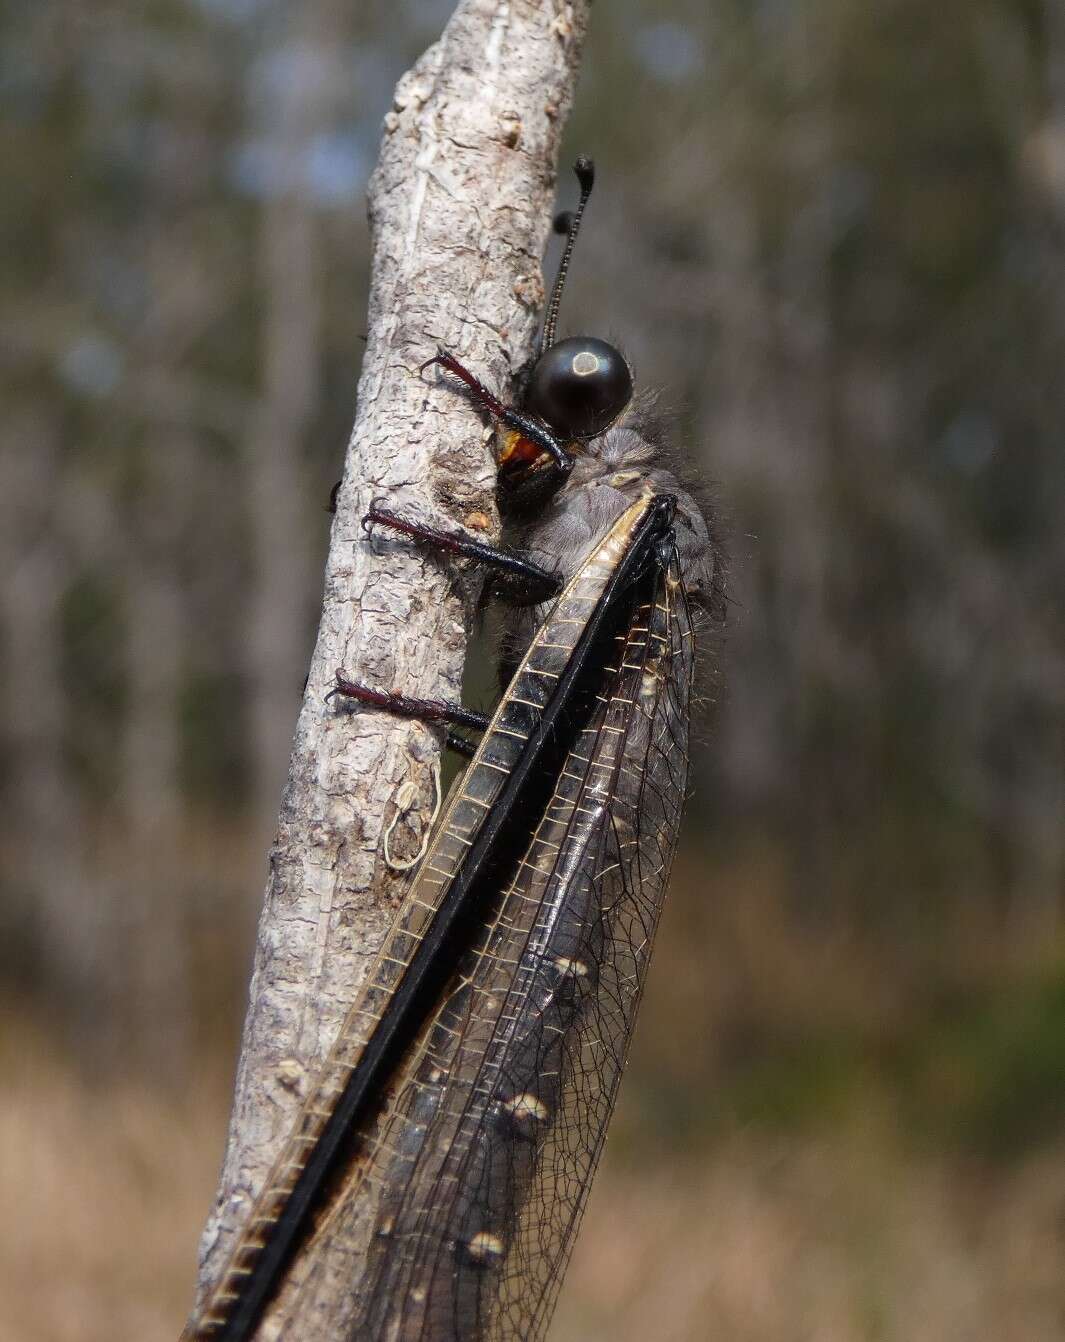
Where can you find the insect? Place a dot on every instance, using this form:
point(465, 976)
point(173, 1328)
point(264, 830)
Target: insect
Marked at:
point(459, 1117)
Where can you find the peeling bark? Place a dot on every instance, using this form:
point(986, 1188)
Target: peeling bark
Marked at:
point(460, 207)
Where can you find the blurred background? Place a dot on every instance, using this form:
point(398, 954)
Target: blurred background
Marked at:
point(833, 232)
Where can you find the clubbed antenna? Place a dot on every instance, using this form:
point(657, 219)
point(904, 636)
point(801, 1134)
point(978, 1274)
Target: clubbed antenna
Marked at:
point(585, 170)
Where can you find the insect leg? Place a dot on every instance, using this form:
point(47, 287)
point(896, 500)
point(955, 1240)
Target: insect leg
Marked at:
point(458, 743)
point(516, 579)
point(425, 710)
point(526, 427)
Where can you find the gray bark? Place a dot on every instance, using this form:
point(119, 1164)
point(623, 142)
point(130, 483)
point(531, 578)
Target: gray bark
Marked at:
point(460, 207)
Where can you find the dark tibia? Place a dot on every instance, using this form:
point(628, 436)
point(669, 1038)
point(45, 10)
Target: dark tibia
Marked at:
point(484, 398)
point(517, 580)
point(461, 746)
point(529, 587)
point(425, 710)
point(526, 425)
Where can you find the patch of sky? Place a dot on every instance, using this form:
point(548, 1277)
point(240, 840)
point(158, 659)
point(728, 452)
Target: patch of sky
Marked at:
point(92, 365)
point(282, 71)
point(668, 51)
point(338, 164)
point(355, 76)
point(331, 171)
point(259, 169)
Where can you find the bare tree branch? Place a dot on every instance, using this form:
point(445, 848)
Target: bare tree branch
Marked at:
point(459, 206)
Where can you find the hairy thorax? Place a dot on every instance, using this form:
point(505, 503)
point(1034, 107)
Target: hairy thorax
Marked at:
point(609, 474)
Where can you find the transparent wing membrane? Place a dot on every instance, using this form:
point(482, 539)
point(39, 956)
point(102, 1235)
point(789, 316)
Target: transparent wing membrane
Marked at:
point(468, 1125)
point(503, 1119)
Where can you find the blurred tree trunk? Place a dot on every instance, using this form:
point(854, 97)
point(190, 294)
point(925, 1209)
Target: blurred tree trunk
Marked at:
point(460, 209)
point(289, 286)
point(146, 921)
point(45, 819)
point(1036, 803)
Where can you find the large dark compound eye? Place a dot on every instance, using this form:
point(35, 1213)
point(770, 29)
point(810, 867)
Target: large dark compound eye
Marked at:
point(578, 387)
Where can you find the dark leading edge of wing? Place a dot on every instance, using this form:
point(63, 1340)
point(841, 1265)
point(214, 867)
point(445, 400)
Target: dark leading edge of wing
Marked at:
point(490, 1151)
point(246, 1289)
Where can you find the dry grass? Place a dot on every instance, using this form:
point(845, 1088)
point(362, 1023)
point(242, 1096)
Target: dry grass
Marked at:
point(764, 1239)
point(105, 1189)
point(775, 1241)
